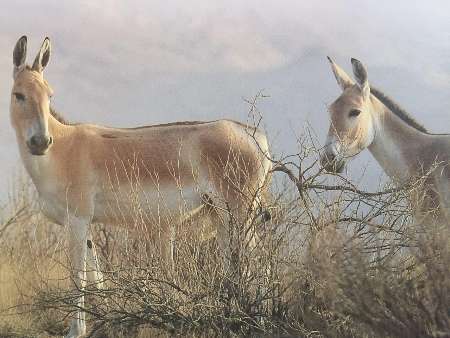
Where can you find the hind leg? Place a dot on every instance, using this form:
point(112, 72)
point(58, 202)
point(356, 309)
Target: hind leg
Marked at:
point(232, 233)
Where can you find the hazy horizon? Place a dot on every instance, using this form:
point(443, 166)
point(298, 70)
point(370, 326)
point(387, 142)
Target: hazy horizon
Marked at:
point(142, 62)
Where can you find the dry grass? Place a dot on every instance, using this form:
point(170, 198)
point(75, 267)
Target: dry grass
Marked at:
point(334, 261)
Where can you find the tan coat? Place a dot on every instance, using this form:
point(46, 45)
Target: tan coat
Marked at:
point(363, 117)
point(154, 175)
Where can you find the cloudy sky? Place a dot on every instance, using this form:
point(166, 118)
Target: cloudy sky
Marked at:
point(126, 63)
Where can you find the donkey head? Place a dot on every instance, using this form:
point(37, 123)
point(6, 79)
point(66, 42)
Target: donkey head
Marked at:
point(352, 127)
point(30, 98)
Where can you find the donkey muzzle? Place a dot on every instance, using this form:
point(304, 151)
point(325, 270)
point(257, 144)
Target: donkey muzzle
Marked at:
point(39, 144)
point(331, 163)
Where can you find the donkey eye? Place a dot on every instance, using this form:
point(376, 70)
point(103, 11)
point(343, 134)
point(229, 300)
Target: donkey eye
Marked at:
point(354, 112)
point(19, 96)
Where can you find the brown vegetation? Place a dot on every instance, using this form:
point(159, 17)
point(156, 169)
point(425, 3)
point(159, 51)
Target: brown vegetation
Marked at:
point(334, 261)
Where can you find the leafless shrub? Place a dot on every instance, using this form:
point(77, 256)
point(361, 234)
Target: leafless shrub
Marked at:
point(333, 261)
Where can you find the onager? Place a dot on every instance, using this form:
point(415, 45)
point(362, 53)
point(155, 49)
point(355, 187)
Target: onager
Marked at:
point(87, 173)
point(363, 117)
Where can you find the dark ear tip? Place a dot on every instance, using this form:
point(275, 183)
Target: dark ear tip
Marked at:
point(329, 59)
point(355, 61)
point(22, 40)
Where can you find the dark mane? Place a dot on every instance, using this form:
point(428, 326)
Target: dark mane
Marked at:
point(62, 120)
point(169, 124)
point(189, 123)
point(397, 110)
point(58, 117)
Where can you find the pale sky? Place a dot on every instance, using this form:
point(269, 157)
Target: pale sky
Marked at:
point(128, 63)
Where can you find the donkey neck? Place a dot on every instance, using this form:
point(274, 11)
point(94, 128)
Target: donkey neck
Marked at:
point(396, 145)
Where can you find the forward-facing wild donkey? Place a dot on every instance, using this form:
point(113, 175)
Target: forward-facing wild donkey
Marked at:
point(363, 117)
point(88, 173)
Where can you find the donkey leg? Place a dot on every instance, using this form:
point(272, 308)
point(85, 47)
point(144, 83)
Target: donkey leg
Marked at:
point(93, 273)
point(251, 224)
point(225, 245)
point(223, 221)
point(77, 233)
point(190, 217)
point(239, 231)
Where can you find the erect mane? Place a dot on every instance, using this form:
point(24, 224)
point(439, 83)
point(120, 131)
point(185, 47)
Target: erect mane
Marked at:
point(62, 120)
point(59, 117)
point(397, 110)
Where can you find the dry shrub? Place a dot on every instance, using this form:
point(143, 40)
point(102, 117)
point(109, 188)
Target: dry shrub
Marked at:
point(30, 251)
point(334, 261)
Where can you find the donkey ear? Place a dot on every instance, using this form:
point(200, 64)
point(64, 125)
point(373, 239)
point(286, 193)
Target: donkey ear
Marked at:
point(360, 73)
point(43, 56)
point(343, 80)
point(20, 52)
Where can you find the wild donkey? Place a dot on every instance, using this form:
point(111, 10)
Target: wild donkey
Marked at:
point(85, 173)
point(363, 117)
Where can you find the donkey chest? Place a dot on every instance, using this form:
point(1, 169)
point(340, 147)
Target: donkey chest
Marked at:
point(44, 177)
point(57, 193)
point(53, 199)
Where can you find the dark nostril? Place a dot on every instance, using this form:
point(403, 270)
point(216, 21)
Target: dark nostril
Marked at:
point(39, 141)
point(33, 141)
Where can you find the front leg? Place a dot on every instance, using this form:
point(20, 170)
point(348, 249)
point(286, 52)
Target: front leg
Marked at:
point(93, 274)
point(77, 237)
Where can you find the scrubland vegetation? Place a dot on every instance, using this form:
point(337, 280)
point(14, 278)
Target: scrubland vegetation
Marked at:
point(333, 261)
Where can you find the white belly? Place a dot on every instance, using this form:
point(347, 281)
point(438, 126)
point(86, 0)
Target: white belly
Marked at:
point(149, 205)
